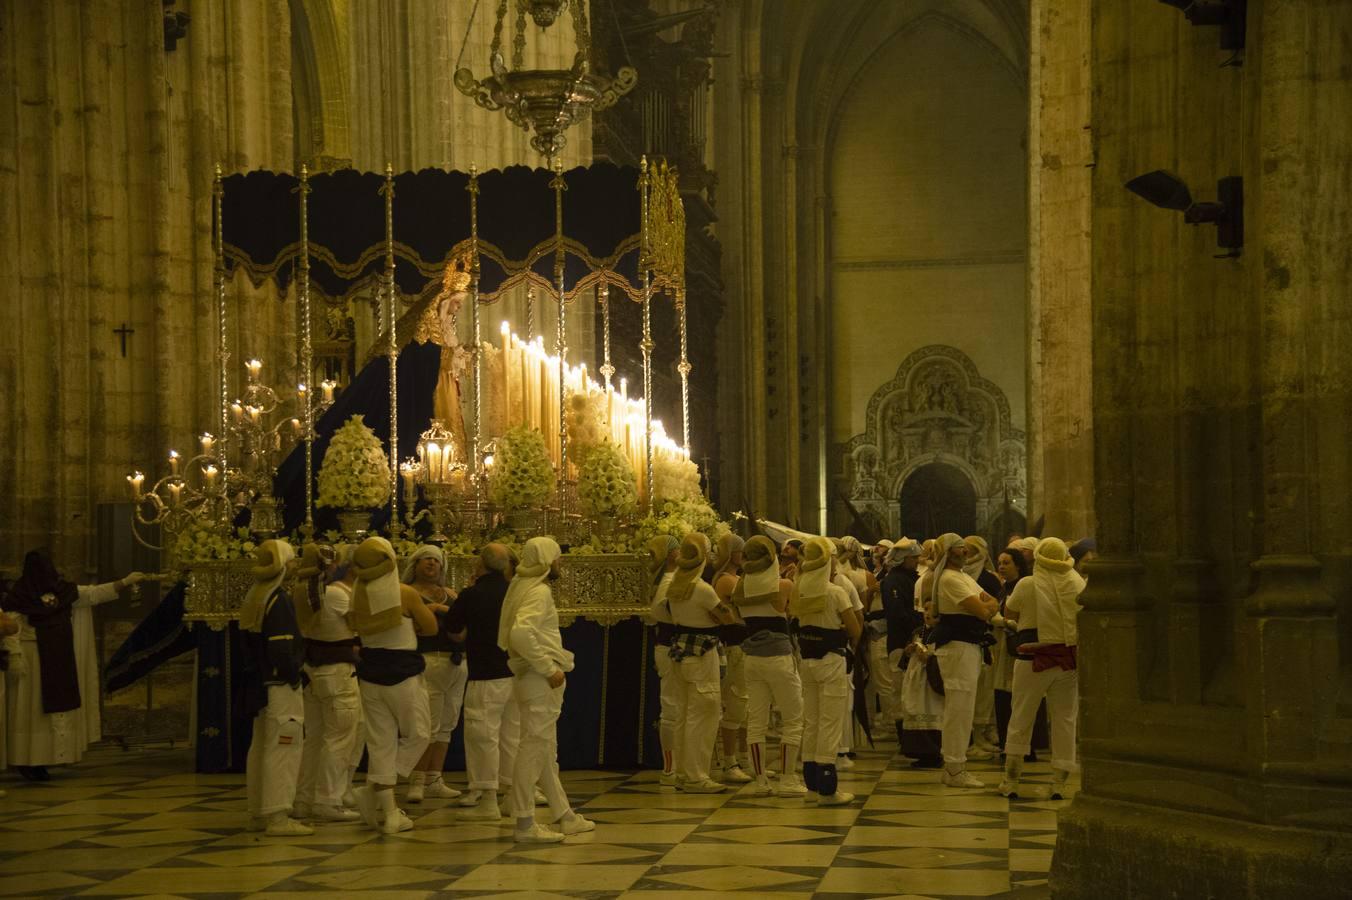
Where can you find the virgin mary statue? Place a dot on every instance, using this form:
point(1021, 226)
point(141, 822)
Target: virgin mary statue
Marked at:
point(437, 325)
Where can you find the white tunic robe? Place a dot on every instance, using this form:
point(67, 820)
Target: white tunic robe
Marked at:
point(35, 738)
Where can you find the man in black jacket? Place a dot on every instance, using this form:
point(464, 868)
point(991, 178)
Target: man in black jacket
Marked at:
point(274, 653)
point(492, 724)
point(898, 593)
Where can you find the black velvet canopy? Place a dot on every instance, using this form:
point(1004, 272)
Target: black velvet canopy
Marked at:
point(431, 219)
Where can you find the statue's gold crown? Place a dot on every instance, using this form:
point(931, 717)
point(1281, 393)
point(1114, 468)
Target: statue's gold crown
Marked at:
point(455, 278)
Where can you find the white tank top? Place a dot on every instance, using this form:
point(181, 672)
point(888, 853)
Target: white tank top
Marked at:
point(401, 637)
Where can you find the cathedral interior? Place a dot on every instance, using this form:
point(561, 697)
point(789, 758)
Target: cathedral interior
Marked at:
point(986, 267)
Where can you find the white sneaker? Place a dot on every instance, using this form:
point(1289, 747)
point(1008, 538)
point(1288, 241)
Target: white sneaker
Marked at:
point(843, 763)
point(416, 791)
point(537, 834)
point(762, 788)
point(485, 810)
point(667, 779)
point(472, 798)
point(366, 806)
point(285, 826)
point(324, 813)
point(576, 825)
point(540, 798)
point(981, 753)
point(350, 798)
point(440, 790)
point(839, 798)
point(396, 821)
point(790, 786)
point(736, 775)
point(963, 779)
point(707, 786)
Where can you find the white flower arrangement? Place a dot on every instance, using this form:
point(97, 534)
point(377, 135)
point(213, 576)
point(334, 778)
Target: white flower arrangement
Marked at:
point(585, 416)
point(675, 478)
point(522, 475)
point(355, 473)
point(605, 482)
point(210, 544)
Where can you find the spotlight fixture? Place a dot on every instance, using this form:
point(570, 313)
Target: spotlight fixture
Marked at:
point(1167, 191)
point(1228, 14)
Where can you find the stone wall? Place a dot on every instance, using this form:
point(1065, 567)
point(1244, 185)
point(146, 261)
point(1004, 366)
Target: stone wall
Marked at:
point(1216, 719)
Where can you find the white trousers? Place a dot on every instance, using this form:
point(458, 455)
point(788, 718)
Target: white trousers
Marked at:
point(697, 693)
point(983, 715)
point(332, 734)
point(492, 732)
point(445, 683)
point(671, 725)
point(398, 728)
point(275, 751)
point(881, 691)
point(733, 691)
point(1062, 690)
point(960, 666)
point(824, 692)
point(537, 758)
point(773, 679)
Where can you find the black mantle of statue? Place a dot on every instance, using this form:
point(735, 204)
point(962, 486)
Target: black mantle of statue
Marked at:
point(431, 223)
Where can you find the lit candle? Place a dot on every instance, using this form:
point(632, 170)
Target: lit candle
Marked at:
point(255, 414)
point(209, 473)
point(409, 472)
point(254, 366)
point(296, 426)
point(175, 494)
point(506, 335)
point(136, 479)
point(433, 462)
point(327, 387)
point(301, 392)
point(173, 462)
point(207, 443)
point(237, 411)
point(624, 390)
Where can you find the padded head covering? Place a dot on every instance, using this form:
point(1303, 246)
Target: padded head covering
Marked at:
point(537, 557)
point(376, 601)
point(901, 550)
point(426, 551)
point(728, 544)
point(978, 556)
point(269, 573)
point(1058, 591)
point(690, 559)
point(760, 572)
point(943, 544)
point(659, 548)
point(851, 552)
point(315, 559)
point(814, 577)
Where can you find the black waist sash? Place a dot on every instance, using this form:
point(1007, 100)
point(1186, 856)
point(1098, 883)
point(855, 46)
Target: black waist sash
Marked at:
point(732, 635)
point(677, 630)
point(326, 653)
point(815, 642)
point(663, 633)
point(757, 624)
point(381, 666)
point(1021, 637)
point(963, 628)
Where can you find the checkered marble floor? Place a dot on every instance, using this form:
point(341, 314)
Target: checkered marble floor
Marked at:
point(134, 824)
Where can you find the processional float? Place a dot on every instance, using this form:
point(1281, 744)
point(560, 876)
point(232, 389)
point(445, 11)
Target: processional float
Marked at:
point(480, 235)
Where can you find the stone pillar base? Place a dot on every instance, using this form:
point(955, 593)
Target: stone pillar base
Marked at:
point(1107, 848)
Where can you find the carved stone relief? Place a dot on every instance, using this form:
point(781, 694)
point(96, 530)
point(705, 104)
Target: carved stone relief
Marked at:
point(937, 408)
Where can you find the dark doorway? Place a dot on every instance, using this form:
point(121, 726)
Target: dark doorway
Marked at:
point(936, 499)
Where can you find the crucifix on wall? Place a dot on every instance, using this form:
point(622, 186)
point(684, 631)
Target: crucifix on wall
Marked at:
point(124, 332)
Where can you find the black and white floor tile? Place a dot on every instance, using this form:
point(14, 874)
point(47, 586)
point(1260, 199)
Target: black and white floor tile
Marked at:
point(140, 824)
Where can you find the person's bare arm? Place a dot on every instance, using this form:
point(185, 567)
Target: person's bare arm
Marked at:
point(781, 602)
point(424, 621)
point(983, 606)
point(850, 619)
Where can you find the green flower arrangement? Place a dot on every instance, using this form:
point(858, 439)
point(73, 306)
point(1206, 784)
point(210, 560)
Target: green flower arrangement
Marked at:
point(522, 476)
point(605, 482)
point(355, 473)
point(212, 544)
point(678, 518)
point(585, 413)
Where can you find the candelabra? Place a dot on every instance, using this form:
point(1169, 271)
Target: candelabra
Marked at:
point(195, 492)
point(261, 435)
point(452, 493)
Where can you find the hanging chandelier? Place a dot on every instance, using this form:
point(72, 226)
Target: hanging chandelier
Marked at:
point(546, 101)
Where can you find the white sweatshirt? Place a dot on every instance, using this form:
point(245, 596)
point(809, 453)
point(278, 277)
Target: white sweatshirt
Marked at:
point(534, 642)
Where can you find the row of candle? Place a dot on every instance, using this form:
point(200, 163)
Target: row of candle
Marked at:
point(531, 395)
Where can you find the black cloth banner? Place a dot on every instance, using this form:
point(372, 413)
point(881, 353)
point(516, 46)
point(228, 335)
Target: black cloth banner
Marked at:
point(158, 638)
point(431, 216)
